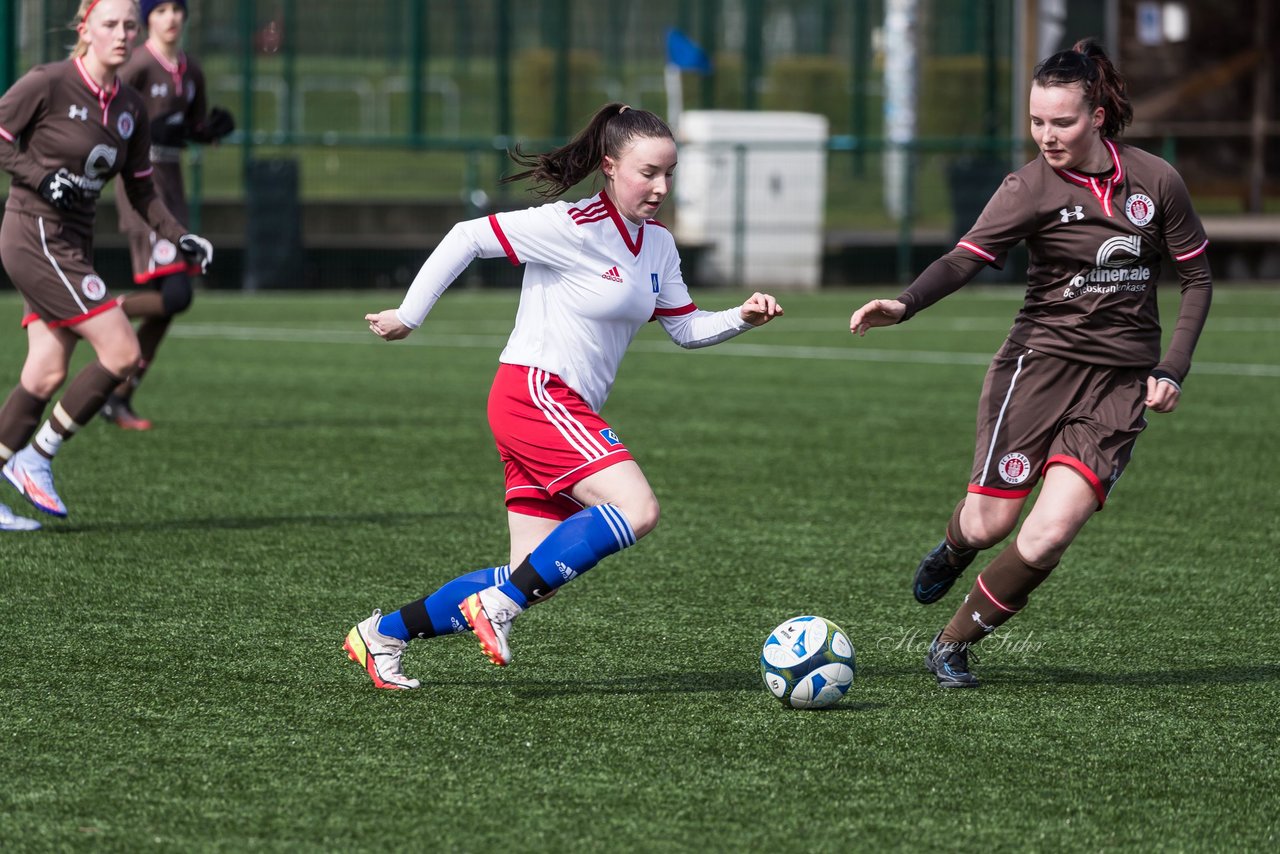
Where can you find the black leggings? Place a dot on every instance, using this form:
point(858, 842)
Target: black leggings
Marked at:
point(176, 293)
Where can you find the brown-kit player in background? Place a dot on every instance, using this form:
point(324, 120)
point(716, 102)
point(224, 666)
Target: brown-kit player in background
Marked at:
point(67, 128)
point(172, 86)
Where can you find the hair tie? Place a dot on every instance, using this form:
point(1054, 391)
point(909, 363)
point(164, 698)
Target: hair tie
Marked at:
point(621, 109)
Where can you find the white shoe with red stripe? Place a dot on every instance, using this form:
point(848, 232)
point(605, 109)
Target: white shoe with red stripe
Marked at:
point(378, 654)
point(490, 614)
point(31, 474)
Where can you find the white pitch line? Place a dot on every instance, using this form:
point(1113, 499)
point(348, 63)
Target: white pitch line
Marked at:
point(987, 324)
point(854, 353)
point(841, 326)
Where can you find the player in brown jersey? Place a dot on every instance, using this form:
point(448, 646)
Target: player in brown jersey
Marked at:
point(71, 126)
point(1065, 396)
point(173, 88)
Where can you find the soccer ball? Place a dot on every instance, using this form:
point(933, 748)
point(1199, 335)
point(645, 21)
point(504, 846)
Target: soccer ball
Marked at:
point(807, 662)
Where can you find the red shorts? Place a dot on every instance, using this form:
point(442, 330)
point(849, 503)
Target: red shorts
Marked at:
point(548, 439)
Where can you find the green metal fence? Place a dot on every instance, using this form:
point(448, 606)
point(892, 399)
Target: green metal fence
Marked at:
point(398, 101)
point(456, 75)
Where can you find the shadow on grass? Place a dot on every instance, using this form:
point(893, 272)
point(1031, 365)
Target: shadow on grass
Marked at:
point(312, 425)
point(1230, 675)
point(995, 676)
point(656, 683)
point(253, 523)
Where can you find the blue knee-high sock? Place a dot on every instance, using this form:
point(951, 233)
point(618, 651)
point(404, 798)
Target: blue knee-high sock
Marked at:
point(440, 609)
point(574, 546)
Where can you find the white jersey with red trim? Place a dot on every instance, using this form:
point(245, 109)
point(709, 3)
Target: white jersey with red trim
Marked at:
point(592, 280)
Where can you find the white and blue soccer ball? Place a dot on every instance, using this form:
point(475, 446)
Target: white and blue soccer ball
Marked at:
point(807, 662)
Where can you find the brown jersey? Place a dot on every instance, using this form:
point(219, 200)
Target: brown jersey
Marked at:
point(174, 95)
point(1095, 245)
point(57, 117)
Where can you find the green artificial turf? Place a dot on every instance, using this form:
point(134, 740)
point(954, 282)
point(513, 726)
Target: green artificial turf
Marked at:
point(172, 677)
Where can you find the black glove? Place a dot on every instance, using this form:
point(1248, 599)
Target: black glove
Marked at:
point(60, 191)
point(197, 249)
point(165, 132)
point(215, 126)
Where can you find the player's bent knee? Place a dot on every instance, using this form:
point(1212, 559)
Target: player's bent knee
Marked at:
point(1040, 551)
point(990, 522)
point(986, 534)
point(122, 361)
point(643, 516)
point(44, 384)
point(1044, 545)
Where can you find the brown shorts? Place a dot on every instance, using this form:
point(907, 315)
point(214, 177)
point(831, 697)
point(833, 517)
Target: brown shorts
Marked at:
point(1037, 411)
point(51, 266)
point(154, 258)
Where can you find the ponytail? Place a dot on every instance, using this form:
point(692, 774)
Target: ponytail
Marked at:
point(610, 132)
point(1087, 63)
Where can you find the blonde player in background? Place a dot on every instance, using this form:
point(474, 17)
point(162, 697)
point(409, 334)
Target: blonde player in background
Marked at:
point(67, 128)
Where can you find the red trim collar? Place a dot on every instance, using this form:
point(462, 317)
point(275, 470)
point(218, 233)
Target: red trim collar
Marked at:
point(175, 71)
point(622, 225)
point(1101, 189)
point(104, 98)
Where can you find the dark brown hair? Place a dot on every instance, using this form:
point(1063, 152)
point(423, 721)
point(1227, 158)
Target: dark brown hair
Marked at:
point(1086, 63)
point(610, 132)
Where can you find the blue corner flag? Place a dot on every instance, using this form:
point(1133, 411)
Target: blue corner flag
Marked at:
point(684, 54)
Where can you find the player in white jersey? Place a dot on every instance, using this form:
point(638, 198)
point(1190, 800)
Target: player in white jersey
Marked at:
point(595, 272)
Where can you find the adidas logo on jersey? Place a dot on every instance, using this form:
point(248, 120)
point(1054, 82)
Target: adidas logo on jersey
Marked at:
point(612, 275)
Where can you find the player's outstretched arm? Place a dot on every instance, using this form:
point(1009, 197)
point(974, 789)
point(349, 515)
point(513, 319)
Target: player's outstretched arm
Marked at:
point(759, 309)
point(386, 325)
point(878, 312)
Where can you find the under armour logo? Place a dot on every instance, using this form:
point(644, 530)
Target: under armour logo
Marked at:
point(159, 90)
point(1067, 214)
point(81, 113)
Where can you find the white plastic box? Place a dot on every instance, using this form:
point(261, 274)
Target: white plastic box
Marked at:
point(751, 188)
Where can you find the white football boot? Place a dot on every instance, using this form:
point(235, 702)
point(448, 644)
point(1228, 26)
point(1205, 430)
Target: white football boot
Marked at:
point(378, 654)
point(490, 614)
point(9, 521)
point(31, 474)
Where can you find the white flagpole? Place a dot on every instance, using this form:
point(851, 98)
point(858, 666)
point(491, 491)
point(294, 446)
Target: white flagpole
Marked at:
point(674, 85)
